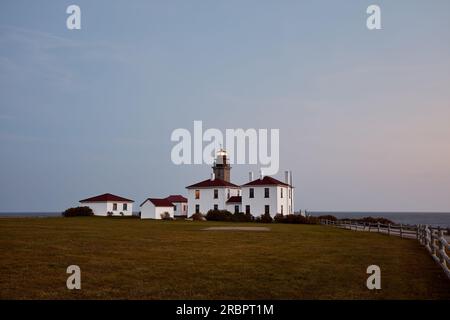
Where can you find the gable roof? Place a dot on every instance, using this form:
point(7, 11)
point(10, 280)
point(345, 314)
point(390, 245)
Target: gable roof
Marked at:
point(176, 198)
point(235, 199)
point(266, 181)
point(158, 202)
point(208, 183)
point(106, 197)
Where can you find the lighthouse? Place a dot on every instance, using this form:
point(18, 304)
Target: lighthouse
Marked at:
point(221, 167)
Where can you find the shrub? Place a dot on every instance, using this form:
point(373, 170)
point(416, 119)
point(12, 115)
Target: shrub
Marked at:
point(219, 215)
point(166, 216)
point(296, 219)
point(265, 218)
point(78, 212)
point(242, 217)
point(198, 217)
point(371, 220)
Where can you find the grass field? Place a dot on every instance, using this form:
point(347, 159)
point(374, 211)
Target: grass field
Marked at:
point(134, 259)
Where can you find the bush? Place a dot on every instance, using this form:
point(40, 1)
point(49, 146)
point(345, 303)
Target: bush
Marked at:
point(370, 220)
point(166, 216)
point(296, 219)
point(78, 212)
point(219, 215)
point(265, 218)
point(198, 217)
point(242, 217)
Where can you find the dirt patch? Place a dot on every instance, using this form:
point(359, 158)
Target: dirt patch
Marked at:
point(236, 229)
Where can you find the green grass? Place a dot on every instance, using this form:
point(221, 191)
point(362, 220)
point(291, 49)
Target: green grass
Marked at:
point(134, 259)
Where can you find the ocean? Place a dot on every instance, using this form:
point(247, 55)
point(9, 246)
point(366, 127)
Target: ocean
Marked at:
point(431, 218)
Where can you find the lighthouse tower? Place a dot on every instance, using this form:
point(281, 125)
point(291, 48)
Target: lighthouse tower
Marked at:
point(221, 167)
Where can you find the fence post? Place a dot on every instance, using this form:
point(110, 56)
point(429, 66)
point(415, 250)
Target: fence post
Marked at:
point(433, 251)
point(389, 229)
point(441, 246)
point(401, 231)
point(378, 225)
point(417, 231)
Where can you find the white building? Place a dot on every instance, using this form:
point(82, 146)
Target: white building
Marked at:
point(153, 208)
point(180, 205)
point(109, 204)
point(260, 196)
point(268, 195)
point(234, 204)
point(210, 194)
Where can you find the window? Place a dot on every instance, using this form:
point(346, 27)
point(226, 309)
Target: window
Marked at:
point(125, 206)
point(267, 209)
point(197, 194)
point(236, 209)
point(114, 206)
point(197, 208)
point(282, 209)
point(266, 192)
point(228, 194)
point(247, 209)
point(252, 193)
point(216, 207)
point(174, 208)
point(216, 194)
point(281, 192)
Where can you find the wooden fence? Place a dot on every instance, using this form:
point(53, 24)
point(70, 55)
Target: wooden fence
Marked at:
point(432, 238)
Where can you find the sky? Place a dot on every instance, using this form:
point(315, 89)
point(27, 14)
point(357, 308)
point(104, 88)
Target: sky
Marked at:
point(363, 115)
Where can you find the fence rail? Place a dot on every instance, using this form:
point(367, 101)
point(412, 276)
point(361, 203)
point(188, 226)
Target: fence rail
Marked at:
point(432, 238)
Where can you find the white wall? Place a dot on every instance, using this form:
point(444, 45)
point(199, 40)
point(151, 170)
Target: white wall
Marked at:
point(102, 208)
point(230, 207)
point(207, 200)
point(149, 211)
point(182, 208)
point(258, 203)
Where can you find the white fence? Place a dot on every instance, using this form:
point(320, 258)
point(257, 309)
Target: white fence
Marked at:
point(432, 238)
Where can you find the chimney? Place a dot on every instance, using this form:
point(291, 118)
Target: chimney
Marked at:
point(213, 176)
point(286, 177)
point(250, 176)
point(261, 174)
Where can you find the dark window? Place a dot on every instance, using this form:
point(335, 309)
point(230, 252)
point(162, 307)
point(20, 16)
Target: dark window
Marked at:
point(228, 195)
point(216, 207)
point(236, 209)
point(252, 193)
point(267, 209)
point(266, 192)
point(282, 209)
point(281, 192)
point(216, 193)
point(125, 207)
point(174, 208)
point(197, 194)
point(247, 209)
point(114, 206)
point(197, 208)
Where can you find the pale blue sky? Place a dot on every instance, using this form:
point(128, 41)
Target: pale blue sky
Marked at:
point(363, 115)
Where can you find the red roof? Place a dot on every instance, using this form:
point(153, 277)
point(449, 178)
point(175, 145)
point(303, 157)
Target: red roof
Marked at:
point(235, 199)
point(213, 183)
point(106, 197)
point(159, 202)
point(176, 198)
point(266, 181)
